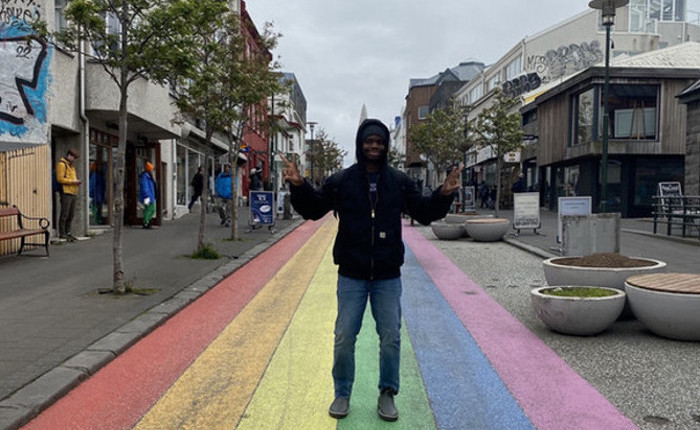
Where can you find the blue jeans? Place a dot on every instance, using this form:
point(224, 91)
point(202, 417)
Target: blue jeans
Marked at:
point(385, 301)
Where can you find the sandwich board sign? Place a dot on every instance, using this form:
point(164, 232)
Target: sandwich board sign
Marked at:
point(526, 211)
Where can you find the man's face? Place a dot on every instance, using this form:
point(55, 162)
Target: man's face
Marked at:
point(373, 148)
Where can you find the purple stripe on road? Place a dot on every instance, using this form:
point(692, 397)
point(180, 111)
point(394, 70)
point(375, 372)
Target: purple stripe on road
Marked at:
point(554, 399)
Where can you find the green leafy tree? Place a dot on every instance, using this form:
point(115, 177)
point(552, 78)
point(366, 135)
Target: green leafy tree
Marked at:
point(153, 41)
point(326, 156)
point(396, 158)
point(242, 81)
point(499, 127)
point(441, 137)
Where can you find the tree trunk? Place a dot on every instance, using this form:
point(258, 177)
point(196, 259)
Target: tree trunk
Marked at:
point(119, 283)
point(234, 201)
point(203, 215)
point(499, 157)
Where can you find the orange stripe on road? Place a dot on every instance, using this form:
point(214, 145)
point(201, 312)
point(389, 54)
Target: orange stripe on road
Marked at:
point(118, 395)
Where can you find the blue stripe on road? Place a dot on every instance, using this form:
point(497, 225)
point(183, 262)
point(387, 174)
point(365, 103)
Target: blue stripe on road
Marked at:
point(464, 390)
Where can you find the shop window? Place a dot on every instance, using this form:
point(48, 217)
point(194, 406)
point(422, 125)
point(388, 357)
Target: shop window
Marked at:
point(633, 111)
point(584, 108)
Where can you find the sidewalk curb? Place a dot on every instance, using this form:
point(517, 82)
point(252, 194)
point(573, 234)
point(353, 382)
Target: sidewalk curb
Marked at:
point(29, 401)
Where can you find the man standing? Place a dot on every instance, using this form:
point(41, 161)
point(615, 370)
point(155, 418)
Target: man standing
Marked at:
point(519, 185)
point(147, 194)
point(69, 184)
point(368, 198)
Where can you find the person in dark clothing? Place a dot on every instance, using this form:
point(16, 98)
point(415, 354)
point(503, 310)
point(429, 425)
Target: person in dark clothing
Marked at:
point(519, 186)
point(483, 194)
point(197, 187)
point(256, 183)
point(368, 198)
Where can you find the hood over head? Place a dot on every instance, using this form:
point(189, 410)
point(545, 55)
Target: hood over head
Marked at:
point(367, 128)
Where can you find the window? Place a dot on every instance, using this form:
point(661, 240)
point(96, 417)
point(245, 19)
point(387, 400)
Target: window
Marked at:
point(514, 68)
point(584, 113)
point(475, 93)
point(633, 111)
point(59, 15)
point(422, 112)
point(493, 82)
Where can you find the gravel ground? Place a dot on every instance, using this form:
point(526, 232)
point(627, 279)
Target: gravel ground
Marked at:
point(652, 380)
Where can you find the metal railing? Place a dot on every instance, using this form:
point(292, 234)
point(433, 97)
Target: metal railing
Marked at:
point(680, 212)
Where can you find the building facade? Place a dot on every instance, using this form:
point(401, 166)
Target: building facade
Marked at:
point(55, 100)
point(647, 130)
point(545, 60)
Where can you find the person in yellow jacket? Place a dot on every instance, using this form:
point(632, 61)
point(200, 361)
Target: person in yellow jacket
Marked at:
point(69, 184)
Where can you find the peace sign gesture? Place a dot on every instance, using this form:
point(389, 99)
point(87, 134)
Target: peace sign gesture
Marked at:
point(291, 171)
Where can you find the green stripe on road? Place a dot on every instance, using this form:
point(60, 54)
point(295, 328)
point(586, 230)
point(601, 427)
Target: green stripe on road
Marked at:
point(412, 401)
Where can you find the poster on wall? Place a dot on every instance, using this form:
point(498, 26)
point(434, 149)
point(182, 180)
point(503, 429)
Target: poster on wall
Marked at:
point(24, 80)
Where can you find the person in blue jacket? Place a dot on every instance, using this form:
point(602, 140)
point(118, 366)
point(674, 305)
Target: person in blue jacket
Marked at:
point(224, 193)
point(368, 198)
point(147, 194)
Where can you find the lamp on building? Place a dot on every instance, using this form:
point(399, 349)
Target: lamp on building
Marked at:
point(311, 125)
point(607, 8)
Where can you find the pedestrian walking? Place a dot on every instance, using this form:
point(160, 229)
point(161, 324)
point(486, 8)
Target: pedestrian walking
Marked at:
point(224, 194)
point(368, 198)
point(147, 194)
point(197, 187)
point(68, 185)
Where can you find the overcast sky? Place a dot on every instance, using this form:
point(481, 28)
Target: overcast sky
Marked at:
point(349, 53)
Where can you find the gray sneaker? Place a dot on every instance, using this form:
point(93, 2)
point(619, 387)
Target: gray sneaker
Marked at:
point(385, 406)
point(340, 407)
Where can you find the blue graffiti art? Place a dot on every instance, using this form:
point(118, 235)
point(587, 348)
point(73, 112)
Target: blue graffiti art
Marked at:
point(24, 80)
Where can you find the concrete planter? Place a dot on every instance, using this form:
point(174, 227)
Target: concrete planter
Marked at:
point(580, 316)
point(463, 218)
point(671, 314)
point(561, 274)
point(447, 231)
point(487, 229)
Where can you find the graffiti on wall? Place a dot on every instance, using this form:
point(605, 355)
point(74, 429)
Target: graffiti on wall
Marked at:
point(564, 60)
point(555, 63)
point(24, 74)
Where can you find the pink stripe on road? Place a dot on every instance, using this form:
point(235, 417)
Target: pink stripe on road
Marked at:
point(556, 399)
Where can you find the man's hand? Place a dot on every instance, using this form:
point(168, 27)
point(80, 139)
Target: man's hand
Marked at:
point(452, 181)
point(291, 171)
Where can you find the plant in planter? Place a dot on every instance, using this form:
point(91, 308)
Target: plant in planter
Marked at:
point(577, 310)
point(600, 269)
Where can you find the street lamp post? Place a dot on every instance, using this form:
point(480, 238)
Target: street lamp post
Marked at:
point(312, 124)
point(607, 8)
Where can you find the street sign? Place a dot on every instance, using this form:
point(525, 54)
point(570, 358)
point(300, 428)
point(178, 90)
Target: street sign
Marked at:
point(580, 205)
point(262, 205)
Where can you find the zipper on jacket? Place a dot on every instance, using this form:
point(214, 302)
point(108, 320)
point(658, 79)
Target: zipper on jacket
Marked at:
point(373, 214)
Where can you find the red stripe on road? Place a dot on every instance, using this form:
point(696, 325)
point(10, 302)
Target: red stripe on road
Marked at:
point(119, 394)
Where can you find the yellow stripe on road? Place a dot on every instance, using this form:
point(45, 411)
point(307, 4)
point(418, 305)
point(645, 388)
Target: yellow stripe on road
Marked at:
point(215, 390)
point(297, 387)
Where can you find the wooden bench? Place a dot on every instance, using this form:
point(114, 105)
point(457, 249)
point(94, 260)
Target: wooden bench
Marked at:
point(22, 232)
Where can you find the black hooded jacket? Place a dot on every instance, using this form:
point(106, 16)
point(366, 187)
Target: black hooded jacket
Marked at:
point(367, 247)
